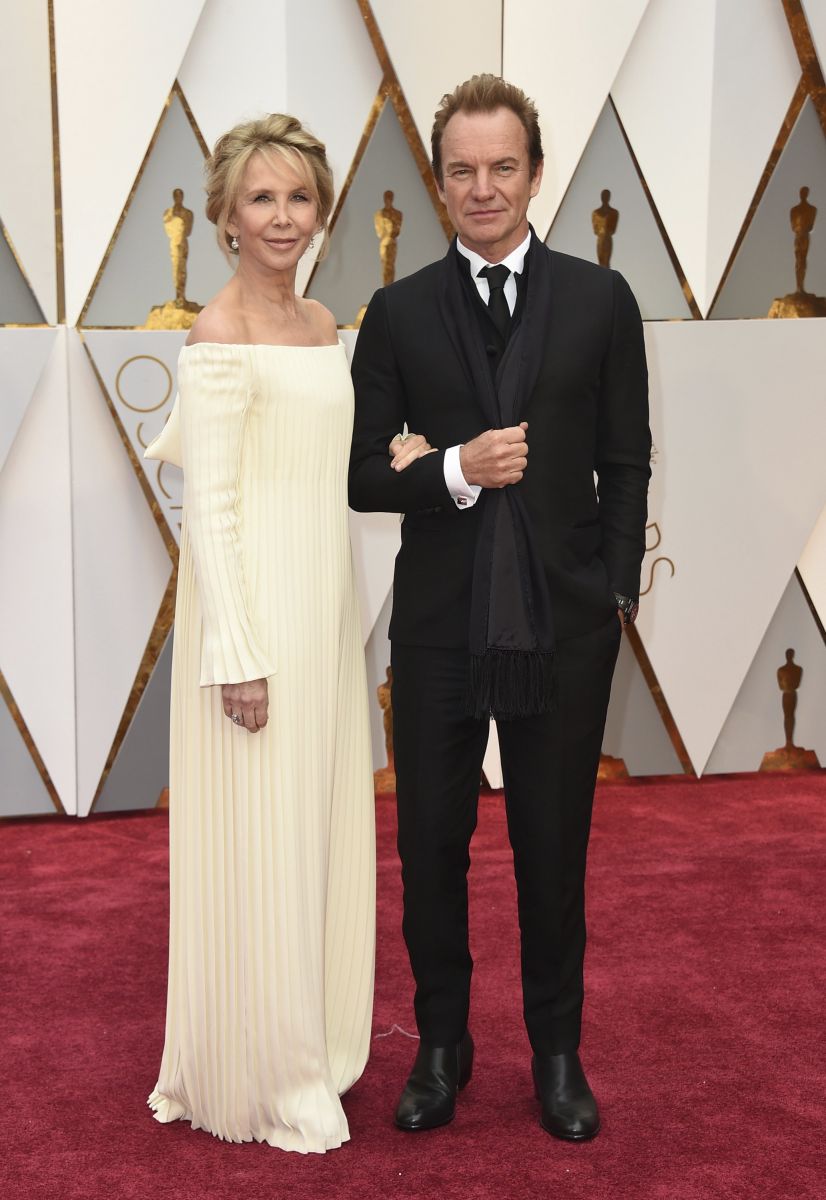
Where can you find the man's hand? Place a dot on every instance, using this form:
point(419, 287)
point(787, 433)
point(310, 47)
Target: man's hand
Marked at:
point(496, 458)
point(405, 448)
point(249, 701)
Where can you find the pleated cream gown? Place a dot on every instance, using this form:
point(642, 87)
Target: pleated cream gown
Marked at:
point(272, 842)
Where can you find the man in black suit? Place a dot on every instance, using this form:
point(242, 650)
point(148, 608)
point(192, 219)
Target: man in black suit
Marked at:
point(512, 573)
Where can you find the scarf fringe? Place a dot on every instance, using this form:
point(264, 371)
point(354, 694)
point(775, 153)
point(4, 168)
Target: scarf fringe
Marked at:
point(508, 684)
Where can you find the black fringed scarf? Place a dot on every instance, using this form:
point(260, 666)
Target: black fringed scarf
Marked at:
point(511, 629)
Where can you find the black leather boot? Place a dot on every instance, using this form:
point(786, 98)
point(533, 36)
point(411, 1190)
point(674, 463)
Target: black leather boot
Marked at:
point(569, 1109)
point(439, 1073)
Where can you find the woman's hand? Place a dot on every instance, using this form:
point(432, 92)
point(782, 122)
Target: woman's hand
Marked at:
point(246, 704)
point(405, 448)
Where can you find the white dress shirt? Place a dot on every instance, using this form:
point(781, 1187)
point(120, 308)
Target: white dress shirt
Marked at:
point(466, 494)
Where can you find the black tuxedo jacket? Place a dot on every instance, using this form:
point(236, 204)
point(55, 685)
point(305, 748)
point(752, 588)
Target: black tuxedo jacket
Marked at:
point(587, 415)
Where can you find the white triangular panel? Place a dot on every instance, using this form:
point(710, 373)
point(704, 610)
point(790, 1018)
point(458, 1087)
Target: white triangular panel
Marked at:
point(566, 56)
point(328, 41)
point(141, 769)
point(121, 569)
point(702, 104)
point(375, 538)
point(23, 793)
point(116, 65)
point(352, 271)
point(23, 353)
point(295, 46)
point(36, 613)
point(236, 65)
point(815, 11)
point(634, 729)
point(139, 371)
point(755, 724)
point(812, 567)
point(27, 178)
point(754, 80)
point(639, 252)
point(435, 46)
point(737, 488)
point(18, 305)
point(138, 273)
point(764, 269)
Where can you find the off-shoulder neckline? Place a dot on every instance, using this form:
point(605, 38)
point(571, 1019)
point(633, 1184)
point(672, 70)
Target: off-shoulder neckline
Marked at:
point(263, 345)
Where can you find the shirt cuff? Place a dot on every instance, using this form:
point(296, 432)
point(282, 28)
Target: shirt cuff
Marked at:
point(464, 494)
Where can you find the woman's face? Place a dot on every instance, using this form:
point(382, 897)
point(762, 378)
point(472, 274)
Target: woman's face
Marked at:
point(275, 215)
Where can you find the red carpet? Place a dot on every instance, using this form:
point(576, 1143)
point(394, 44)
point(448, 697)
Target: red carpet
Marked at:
point(704, 1038)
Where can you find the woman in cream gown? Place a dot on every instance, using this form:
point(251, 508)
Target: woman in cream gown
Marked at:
point(271, 801)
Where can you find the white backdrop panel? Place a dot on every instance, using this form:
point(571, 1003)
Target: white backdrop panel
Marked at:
point(116, 64)
point(36, 613)
point(815, 11)
point(812, 568)
point(755, 77)
point(639, 251)
point(755, 723)
point(737, 488)
point(435, 46)
point(303, 60)
point(139, 371)
point(236, 64)
point(348, 276)
point(138, 272)
point(330, 56)
point(566, 56)
point(634, 730)
point(702, 103)
point(664, 98)
point(23, 354)
point(331, 60)
point(18, 305)
point(764, 266)
point(27, 177)
point(121, 568)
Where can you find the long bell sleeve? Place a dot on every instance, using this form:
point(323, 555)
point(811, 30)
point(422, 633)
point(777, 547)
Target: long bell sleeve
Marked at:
point(215, 399)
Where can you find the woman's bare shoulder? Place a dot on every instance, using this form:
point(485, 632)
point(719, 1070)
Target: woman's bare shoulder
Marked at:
point(323, 321)
point(217, 322)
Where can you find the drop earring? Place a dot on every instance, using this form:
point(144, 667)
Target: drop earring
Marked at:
point(312, 242)
point(234, 244)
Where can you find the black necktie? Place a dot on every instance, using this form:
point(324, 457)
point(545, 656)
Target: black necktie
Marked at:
point(497, 304)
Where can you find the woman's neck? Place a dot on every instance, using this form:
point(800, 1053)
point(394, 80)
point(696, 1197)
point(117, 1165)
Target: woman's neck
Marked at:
point(270, 294)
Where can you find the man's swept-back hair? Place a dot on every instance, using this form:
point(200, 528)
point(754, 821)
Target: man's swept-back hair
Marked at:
point(484, 94)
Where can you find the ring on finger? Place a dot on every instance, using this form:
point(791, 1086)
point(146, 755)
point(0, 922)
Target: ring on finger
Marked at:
point(236, 719)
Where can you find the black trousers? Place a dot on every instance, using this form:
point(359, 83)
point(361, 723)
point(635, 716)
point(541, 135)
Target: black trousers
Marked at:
point(549, 765)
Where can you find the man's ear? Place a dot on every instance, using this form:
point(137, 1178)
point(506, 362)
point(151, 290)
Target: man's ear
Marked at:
point(537, 177)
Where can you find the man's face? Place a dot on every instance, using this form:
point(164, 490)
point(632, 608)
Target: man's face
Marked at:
point(487, 182)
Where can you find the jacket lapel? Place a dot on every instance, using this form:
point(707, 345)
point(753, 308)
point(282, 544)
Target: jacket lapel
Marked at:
point(462, 328)
point(536, 321)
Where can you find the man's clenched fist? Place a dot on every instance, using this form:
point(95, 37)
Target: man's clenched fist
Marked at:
point(496, 458)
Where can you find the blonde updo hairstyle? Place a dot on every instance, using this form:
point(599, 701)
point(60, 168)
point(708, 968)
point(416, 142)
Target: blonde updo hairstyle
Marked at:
point(275, 135)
